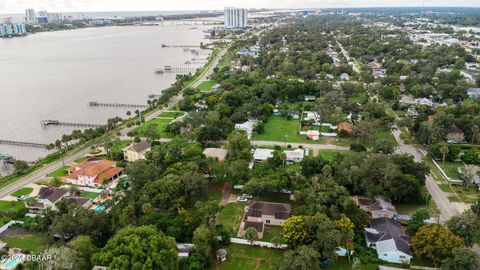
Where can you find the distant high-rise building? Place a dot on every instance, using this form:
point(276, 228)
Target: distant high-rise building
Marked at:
point(235, 17)
point(55, 17)
point(30, 16)
point(42, 17)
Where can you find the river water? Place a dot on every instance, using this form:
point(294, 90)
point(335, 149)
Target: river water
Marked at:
point(55, 75)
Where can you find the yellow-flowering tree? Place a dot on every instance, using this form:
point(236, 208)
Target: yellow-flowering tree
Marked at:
point(295, 231)
point(346, 227)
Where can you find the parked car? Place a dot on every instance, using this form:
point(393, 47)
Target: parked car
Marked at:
point(22, 198)
point(242, 199)
point(248, 196)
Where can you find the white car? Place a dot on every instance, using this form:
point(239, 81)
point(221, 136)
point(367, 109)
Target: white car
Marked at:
point(247, 196)
point(242, 199)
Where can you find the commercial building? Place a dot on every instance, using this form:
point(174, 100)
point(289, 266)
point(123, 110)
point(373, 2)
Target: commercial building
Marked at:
point(55, 17)
point(235, 17)
point(30, 16)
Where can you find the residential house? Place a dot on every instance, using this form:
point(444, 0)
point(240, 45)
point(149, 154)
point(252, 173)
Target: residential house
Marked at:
point(136, 151)
point(93, 173)
point(216, 153)
point(78, 201)
point(379, 72)
point(294, 156)
point(313, 135)
point(469, 75)
point(329, 76)
point(455, 135)
point(345, 126)
point(260, 155)
point(379, 207)
point(387, 237)
point(247, 126)
point(424, 102)
point(344, 77)
point(184, 249)
point(310, 98)
point(473, 93)
point(412, 112)
point(47, 198)
point(259, 214)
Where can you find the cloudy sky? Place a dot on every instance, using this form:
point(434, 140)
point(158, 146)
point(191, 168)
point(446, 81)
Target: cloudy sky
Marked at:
point(18, 6)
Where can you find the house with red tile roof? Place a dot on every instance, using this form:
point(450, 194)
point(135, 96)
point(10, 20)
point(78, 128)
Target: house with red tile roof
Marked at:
point(93, 173)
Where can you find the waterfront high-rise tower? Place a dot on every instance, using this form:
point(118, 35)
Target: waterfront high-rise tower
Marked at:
point(30, 16)
point(235, 17)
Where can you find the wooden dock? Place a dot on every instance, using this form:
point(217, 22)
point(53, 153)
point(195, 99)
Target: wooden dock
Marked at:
point(45, 123)
point(26, 144)
point(180, 70)
point(122, 105)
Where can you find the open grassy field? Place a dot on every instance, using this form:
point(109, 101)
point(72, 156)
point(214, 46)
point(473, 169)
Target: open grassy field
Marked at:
point(11, 206)
point(161, 124)
point(243, 257)
point(59, 172)
point(277, 127)
point(386, 135)
point(451, 169)
point(34, 242)
point(22, 192)
point(206, 85)
point(231, 216)
point(328, 154)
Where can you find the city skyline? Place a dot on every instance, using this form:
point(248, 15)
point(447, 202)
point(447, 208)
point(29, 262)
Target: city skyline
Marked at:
point(16, 6)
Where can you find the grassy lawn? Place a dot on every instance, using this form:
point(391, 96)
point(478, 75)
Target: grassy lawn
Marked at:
point(33, 243)
point(214, 195)
point(328, 154)
point(81, 159)
point(90, 195)
point(451, 169)
point(276, 128)
point(206, 85)
point(22, 192)
point(387, 135)
point(60, 172)
point(231, 216)
point(11, 206)
point(161, 124)
point(401, 113)
point(247, 257)
point(270, 232)
point(172, 114)
point(119, 145)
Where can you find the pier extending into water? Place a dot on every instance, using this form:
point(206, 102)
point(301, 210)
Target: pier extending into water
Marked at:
point(122, 105)
point(20, 143)
point(45, 123)
point(180, 70)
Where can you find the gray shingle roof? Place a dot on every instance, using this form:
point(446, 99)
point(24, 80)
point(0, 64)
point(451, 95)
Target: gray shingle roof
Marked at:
point(388, 229)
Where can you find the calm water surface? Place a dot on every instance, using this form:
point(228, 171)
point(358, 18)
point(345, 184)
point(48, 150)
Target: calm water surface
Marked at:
point(54, 76)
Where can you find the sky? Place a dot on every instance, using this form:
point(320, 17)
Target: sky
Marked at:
point(19, 6)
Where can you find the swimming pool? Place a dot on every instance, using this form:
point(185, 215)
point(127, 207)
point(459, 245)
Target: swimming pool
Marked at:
point(100, 208)
point(12, 263)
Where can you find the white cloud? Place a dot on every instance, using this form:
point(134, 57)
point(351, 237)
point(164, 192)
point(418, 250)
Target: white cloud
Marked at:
point(18, 6)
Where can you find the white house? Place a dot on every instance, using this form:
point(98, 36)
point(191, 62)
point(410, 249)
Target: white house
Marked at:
point(294, 156)
point(93, 173)
point(247, 127)
point(387, 237)
point(47, 198)
point(344, 77)
point(260, 154)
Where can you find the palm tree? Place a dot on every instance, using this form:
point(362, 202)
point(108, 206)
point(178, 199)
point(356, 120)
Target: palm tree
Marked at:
point(129, 113)
point(444, 150)
point(475, 130)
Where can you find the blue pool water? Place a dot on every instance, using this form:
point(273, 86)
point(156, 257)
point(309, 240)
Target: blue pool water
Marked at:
point(100, 208)
point(11, 264)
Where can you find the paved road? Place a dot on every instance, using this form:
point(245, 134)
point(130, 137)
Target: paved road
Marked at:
point(40, 173)
point(304, 145)
point(447, 209)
